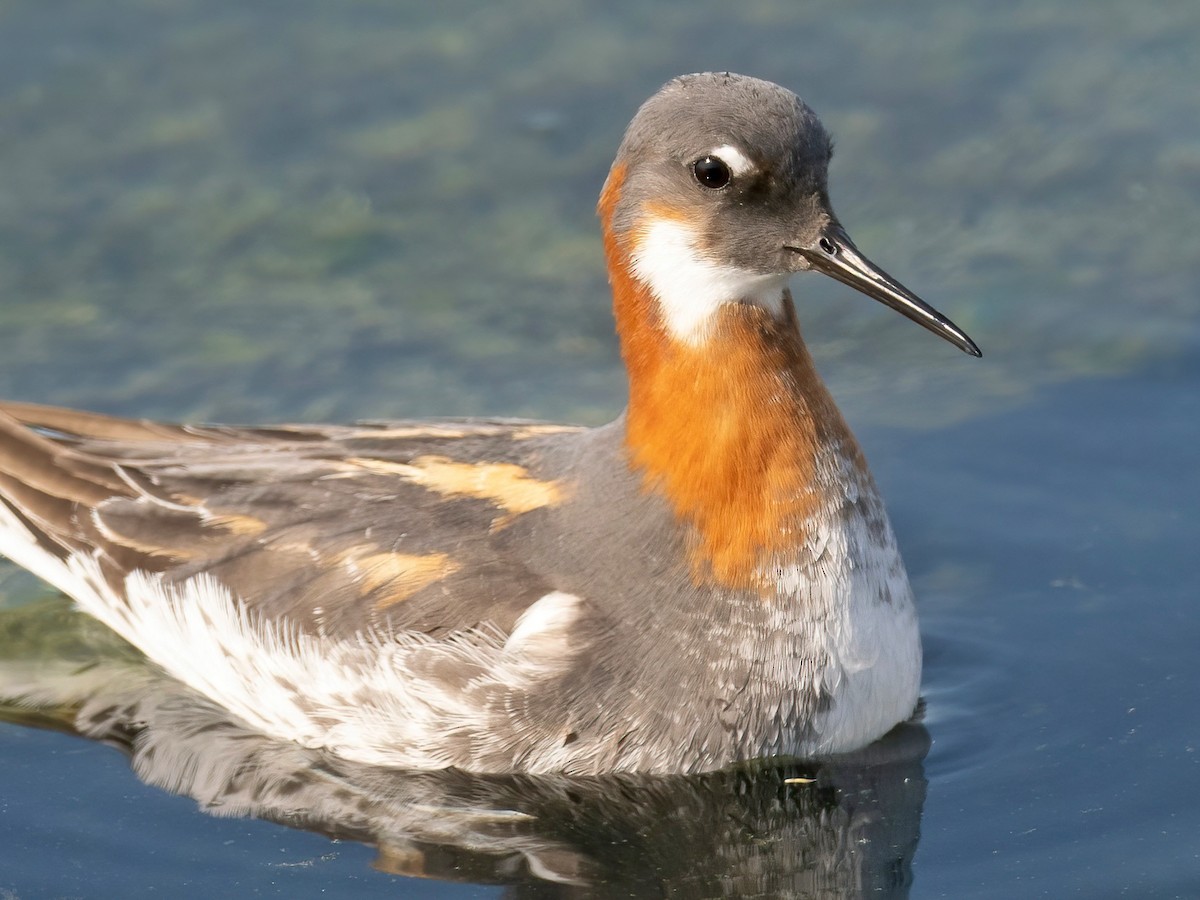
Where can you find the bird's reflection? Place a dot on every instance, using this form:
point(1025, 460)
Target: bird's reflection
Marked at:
point(838, 828)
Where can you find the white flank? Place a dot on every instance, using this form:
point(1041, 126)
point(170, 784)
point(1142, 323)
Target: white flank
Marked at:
point(862, 617)
point(359, 698)
point(543, 633)
point(690, 289)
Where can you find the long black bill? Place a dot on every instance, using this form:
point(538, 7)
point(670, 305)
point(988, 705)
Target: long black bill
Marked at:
point(835, 255)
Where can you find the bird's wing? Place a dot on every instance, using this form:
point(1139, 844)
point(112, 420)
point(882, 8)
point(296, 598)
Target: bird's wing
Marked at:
point(336, 529)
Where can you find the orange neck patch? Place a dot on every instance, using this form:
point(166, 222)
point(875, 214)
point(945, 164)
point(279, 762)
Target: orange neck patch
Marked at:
point(729, 431)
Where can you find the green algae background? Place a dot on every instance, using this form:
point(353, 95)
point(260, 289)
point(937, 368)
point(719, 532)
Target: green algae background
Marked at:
point(301, 211)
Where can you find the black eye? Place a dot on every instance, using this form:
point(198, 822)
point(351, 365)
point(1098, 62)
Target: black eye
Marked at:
point(712, 172)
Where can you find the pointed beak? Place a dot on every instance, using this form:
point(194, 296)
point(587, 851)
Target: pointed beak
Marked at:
point(835, 254)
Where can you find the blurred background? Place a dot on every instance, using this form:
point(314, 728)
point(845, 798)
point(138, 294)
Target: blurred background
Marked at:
point(236, 211)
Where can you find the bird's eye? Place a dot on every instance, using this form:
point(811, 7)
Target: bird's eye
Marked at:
point(712, 172)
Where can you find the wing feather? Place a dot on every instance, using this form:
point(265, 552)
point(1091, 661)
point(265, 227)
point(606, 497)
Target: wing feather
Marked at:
point(337, 529)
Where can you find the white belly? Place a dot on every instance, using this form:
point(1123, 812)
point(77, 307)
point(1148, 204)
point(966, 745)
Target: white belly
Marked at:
point(861, 623)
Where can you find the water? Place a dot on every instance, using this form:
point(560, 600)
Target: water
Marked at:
point(296, 211)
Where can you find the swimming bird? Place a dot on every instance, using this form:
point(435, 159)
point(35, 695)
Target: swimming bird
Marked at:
point(710, 578)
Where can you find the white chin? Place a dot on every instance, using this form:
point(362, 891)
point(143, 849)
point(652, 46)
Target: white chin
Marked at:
point(691, 289)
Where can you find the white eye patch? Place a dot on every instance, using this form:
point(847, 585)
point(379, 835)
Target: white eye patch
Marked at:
point(737, 161)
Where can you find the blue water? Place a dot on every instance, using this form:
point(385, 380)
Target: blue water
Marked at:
point(1065, 757)
point(303, 211)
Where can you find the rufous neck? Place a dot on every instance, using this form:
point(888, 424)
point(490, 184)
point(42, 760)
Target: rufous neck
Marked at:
point(736, 431)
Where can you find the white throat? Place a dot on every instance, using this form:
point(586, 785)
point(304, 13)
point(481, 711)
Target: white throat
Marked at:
point(691, 289)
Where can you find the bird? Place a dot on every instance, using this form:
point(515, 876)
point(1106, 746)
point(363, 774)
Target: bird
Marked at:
point(708, 580)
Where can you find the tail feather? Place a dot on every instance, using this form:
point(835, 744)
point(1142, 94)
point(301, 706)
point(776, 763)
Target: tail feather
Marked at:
point(49, 491)
point(49, 488)
point(79, 423)
point(51, 468)
point(45, 514)
point(76, 483)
